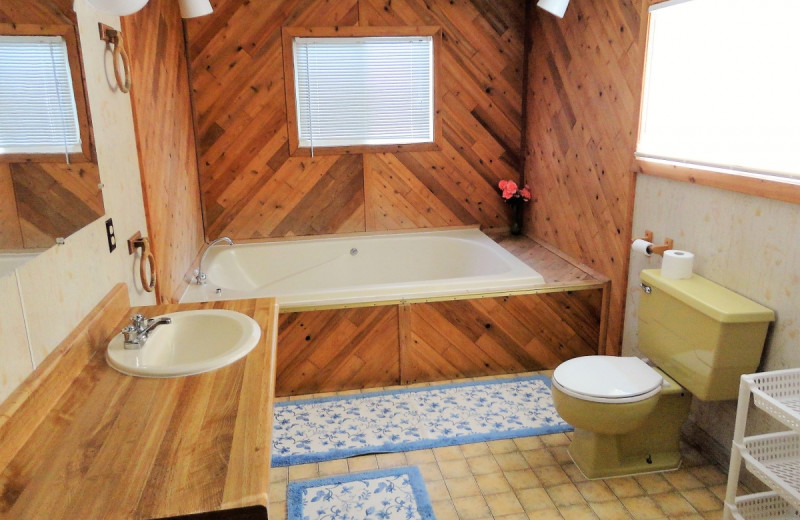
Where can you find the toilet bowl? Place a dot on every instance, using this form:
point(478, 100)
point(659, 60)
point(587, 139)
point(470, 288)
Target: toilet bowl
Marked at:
point(627, 415)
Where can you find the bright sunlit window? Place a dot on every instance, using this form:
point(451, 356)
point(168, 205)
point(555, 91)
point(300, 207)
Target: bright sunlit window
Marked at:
point(722, 86)
point(37, 104)
point(364, 90)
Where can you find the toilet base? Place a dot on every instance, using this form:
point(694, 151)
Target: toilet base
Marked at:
point(654, 446)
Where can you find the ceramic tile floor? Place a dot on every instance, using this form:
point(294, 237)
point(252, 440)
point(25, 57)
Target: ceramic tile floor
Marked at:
point(531, 478)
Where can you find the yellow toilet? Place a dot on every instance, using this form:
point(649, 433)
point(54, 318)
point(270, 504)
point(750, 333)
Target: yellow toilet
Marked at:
point(627, 415)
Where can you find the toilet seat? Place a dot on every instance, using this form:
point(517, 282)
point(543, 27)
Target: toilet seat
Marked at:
point(607, 379)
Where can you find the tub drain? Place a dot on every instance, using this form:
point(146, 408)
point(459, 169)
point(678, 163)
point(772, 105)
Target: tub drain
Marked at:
point(353, 252)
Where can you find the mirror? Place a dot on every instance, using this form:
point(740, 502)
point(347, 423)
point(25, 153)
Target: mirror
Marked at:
point(44, 197)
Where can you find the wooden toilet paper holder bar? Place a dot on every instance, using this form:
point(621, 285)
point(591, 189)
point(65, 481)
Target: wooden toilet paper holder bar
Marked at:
point(657, 250)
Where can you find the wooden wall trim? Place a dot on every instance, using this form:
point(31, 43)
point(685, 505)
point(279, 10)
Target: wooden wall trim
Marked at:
point(29, 404)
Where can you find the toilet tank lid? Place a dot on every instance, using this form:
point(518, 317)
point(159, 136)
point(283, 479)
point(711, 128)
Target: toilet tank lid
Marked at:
point(713, 300)
point(607, 377)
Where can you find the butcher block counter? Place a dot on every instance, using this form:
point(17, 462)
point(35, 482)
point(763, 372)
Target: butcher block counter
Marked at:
point(81, 440)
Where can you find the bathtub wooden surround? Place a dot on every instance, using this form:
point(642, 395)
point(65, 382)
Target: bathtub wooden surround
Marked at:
point(80, 440)
point(450, 338)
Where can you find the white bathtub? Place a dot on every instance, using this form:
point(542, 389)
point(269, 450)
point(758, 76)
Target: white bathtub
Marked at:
point(351, 270)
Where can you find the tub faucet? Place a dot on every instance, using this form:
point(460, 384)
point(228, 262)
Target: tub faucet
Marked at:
point(199, 275)
point(138, 331)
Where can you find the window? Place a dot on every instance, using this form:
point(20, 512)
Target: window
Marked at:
point(720, 88)
point(38, 114)
point(361, 91)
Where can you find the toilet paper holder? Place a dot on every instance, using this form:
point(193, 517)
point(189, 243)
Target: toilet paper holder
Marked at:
point(654, 249)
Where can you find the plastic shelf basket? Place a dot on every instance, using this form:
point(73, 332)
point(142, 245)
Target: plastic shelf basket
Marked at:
point(775, 459)
point(763, 506)
point(778, 394)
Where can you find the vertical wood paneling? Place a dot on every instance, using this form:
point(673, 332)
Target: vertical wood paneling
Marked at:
point(165, 140)
point(252, 188)
point(584, 76)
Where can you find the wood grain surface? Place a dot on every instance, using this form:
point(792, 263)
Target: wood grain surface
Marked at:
point(116, 446)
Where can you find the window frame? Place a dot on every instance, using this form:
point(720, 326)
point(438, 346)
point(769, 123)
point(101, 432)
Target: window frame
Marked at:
point(777, 188)
point(68, 32)
point(288, 35)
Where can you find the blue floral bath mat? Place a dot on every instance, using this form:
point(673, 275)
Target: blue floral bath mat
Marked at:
point(327, 428)
point(389, 494)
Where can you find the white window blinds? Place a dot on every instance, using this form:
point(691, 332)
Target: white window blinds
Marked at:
point(364, 90)
point(37, 104)
point(722, 86)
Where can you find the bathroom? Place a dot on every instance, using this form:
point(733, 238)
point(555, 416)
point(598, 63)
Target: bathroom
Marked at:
point(564, 117)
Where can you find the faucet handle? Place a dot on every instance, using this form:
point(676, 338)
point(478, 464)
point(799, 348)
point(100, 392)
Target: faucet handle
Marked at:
point(139, 322)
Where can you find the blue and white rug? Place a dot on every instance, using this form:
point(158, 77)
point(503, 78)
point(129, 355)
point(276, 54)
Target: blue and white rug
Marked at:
point(338, 427)
point(388, 494)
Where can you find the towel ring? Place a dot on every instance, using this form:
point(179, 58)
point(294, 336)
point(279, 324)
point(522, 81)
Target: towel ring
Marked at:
point(147, 262)
point(113, 38)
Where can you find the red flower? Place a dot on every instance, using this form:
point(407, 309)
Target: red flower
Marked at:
point(510, 190)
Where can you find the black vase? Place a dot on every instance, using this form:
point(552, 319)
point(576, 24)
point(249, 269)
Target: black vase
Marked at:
point(516, 216)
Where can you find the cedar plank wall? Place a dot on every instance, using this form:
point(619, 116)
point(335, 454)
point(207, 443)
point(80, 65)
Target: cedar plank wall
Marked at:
point(584, 75)
point(165, 141)
point(251, 188)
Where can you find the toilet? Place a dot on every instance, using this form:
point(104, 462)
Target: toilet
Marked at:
point(700, 338)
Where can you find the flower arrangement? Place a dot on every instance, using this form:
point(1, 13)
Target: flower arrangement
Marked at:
point(512, 193)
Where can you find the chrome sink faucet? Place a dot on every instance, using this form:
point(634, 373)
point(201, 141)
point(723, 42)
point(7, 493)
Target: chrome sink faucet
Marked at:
point(199, 274)
point(138, 331)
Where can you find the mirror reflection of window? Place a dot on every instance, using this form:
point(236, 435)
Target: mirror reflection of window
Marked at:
point(37, 104)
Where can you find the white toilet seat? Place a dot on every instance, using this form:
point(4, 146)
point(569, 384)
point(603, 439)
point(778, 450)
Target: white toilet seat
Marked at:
point(607, 379)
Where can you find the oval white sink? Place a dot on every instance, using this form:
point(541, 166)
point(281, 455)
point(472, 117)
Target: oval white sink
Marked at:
point(195, 342)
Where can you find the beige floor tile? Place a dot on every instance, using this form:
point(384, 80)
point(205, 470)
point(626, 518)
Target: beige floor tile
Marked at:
point(444, 510)
point(673, 504)
point(574, 473)
point(577, 512)
point(502, 446)
point(595, 491)
point(556, 439)
point(493, 483)
point(712, 515)
point(613, 510)
point(682, 480)
point(529, 443)
point(702, 500)
point(511, 461)
point(518, 516)
point(462, 487)
point(277, 490)
point(522, 479)
point(430, 471)
point(362, 463)
point(277, 511)
point(333, 467)
point(448, 453)
point(625, 487)
point(545, 514)
point(719, 491)
point(709, 474)
point(541, 457)
point(565, 495)
point(279, 474)
point(471, 508)
point(475, 450)
point(454, 468)
point(642, 508)
point(304, 471)
point(534, 499)
point(437, 490)
point(653, 483)
point(484, 464)
point(502, 504)
point(561, 454)
point(550, 475)
point(420, 456)
point(391, 460)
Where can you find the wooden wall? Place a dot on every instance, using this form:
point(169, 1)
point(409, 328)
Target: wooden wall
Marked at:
point(582, 98)
point(165, 141)
point(251, 187)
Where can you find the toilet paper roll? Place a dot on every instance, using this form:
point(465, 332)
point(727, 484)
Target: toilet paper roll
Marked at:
point(677, 264)
point(642, 246)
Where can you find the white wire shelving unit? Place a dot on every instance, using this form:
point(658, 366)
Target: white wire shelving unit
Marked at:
point(773, 458)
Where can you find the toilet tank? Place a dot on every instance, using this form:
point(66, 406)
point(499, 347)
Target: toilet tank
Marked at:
point(700, 333)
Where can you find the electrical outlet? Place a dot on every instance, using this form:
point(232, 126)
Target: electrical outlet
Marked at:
point(112, 237)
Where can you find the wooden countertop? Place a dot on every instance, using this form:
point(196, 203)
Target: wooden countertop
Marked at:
point(116, 446)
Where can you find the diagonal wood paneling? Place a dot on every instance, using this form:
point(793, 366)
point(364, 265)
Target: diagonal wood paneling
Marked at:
point(478, 337)
point(250, 186)
point(582, 102)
